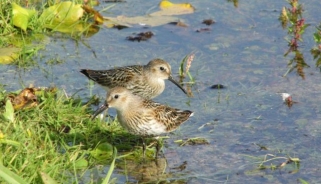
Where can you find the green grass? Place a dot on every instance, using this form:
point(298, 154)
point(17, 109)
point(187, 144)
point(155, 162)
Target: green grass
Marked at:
point(58, 140)
point(24, 24)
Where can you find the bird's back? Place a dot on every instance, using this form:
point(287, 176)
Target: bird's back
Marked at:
point(121, 76)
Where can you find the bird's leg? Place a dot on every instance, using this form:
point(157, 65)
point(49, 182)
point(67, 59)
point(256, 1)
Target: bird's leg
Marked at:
point(144, 147)
point(158, 147)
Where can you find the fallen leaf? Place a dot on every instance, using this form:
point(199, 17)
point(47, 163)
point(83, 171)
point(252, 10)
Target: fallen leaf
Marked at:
point(26, 98)
point(141, 20)
point(165, 4)
point(169, 8)
point(8, 55)
point(63, 15)
point(21, 16)
point(99, 19)
point(114, 22)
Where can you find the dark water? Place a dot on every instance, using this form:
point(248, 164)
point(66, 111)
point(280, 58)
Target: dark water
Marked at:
point(244, 51)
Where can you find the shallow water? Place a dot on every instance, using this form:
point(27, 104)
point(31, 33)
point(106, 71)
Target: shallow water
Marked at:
point(244, 51)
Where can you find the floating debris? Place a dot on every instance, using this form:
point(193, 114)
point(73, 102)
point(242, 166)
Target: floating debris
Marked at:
point(218, 86)
point(287, 99)
point(119, 27)
point(192, 141)
point(143, 36)
point(208, 22)
point(179, 23)
point(203, 30)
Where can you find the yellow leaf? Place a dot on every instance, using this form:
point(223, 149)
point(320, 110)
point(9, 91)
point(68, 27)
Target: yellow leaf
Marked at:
point(2, 136)
point(21, 16)
point(8, 55)
point(65, 17)
point(167, 4)
point(62, 13)
point(29, 132)
point(169, 8)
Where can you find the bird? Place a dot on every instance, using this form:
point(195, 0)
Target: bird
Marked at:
point(146, 81)
point(143, 117)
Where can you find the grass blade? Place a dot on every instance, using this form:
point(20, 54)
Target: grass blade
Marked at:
point(10, 176)
point(111, 168)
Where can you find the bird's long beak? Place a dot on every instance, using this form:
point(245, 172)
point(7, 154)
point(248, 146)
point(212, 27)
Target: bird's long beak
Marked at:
point(100, 110)
point(170, 78)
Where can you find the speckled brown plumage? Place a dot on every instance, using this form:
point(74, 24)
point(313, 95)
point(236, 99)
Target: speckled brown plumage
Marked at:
point(141, 116)
point(146, 81)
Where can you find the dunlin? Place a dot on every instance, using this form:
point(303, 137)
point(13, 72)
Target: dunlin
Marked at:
point(146, 81)
point(141, 116)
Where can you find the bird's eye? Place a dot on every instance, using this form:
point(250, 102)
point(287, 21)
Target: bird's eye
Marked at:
point(162, 68)
point(116, 96)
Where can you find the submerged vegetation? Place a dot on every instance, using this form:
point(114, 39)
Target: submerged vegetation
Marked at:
point(292, 19)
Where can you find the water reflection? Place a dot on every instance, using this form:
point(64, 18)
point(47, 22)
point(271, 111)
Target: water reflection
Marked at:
point(151, 171)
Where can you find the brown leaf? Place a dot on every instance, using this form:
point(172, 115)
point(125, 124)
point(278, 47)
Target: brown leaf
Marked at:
point(26, 98)
point(99, 19)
